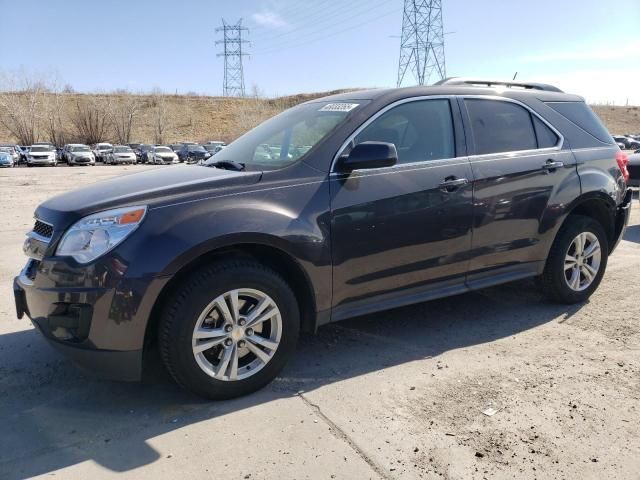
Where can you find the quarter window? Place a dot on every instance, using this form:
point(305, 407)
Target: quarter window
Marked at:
point(546, 137)
point(500, 126)
point(421, 130)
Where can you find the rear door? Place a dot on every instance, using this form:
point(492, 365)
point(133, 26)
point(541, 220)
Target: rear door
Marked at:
point(403, 231)
point(519, 166)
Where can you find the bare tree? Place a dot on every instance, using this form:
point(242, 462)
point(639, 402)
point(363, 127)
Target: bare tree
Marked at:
point(91, 118)
point(53, 112)
point(123, 114)
point(160, 116)
point(21, 101)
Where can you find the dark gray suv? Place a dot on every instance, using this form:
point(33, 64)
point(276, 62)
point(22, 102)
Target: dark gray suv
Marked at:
point(339, 207)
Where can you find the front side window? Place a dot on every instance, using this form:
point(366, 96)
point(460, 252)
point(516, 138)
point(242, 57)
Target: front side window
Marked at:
point(500, 126)
point(421, 130)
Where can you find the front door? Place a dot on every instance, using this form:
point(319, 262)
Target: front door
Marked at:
point(399, 231)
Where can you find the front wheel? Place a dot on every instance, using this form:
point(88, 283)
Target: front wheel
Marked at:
point(577, 261)
point(229, 329)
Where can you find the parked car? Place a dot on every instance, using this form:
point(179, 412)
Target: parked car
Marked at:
point(634, 169)
point(404, 195)
point(162, 155)
point(101, 151)
point(192, 153)
point(629, 143)
point(215, 142)
point(12, 149)
point(41, 155)
point(66, 150)
point(142, 152)
point(80, 155)
point(121, 154)
point(6, 159)
point(175, 146)
point(210, 148)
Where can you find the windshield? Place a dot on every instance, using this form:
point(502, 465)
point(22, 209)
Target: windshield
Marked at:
point(210, 148)
point(122, 150)
point(285, 138)
point(80, 149)
point(104, 147)
point(6, 149)
point(196, 148)
point(40, 148)
point(163, 150)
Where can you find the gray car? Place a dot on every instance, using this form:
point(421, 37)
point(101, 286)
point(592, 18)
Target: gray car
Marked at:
point(80, 155)
point(121, 154)
point(41, 155)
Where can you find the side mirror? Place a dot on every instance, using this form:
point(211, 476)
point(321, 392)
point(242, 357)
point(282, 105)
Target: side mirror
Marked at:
point(370, 155)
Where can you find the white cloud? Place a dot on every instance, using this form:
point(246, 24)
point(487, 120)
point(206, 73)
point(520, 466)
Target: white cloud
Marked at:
point(269, 19)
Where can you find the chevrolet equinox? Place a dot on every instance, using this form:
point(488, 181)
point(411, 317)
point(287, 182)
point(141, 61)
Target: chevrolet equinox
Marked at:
point(339, 207)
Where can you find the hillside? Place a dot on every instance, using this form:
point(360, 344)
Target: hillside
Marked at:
point(199, 118)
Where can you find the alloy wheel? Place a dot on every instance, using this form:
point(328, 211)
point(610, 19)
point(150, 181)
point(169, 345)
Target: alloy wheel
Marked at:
point(237, 334)
point(582, 261)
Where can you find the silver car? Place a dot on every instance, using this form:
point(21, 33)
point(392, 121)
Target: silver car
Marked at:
point(121, 154)
point(80, 155)
point(41, 155)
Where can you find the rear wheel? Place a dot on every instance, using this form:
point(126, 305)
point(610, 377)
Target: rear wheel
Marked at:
point(229, 329)
point(577, 261)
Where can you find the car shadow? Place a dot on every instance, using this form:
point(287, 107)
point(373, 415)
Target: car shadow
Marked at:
point(54, 417)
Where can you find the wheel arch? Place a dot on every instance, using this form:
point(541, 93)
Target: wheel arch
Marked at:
point(599, 207)
point(270, 255)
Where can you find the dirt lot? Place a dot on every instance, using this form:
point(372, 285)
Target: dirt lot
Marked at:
point(397, 395)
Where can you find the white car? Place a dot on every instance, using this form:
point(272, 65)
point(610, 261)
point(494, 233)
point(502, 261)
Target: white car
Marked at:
point(121, 154)
point(80, 155)
point(41, 155)
point(162, 155)
point(102, 150)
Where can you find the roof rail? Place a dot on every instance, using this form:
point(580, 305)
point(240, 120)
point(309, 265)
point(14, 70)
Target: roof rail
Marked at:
point(491, 83)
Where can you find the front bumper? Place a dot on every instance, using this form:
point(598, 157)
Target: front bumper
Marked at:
point(93, 315)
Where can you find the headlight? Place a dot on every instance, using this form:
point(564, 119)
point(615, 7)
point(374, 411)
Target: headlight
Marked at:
point(95, 235)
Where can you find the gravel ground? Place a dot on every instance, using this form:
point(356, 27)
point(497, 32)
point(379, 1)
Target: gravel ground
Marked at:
point(394, 395)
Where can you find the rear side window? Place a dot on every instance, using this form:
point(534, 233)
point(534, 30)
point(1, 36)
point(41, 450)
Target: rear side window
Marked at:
point(546, 137)
point(500, 126)
point(421, 130)
point(581, 115)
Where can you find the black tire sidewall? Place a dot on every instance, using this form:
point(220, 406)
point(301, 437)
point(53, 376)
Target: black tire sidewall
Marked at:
point(181, 315)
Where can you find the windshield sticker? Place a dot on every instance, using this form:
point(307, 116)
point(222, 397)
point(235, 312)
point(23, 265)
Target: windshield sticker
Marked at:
point(339, 107)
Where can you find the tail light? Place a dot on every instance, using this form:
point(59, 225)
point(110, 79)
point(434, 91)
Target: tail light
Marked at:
point(623, 161)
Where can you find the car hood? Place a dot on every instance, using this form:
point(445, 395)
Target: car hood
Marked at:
point(152, 188)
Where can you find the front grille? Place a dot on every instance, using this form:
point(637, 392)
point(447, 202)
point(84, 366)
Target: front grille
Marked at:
point(634, 171)
point(43, 229)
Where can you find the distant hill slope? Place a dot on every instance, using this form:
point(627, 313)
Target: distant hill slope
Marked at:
point(199, 118)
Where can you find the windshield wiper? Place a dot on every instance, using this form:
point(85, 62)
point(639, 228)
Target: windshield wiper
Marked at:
point(228, 165)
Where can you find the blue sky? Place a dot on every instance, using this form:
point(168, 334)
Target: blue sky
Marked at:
point(296, 46)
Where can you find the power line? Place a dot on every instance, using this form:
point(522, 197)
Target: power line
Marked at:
point(422, 43)
point(349, 12)
point(288, 45)
point(232, 52)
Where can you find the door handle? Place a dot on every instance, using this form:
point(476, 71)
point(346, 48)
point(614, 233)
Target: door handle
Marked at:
point(451, 184)
point(552, 165)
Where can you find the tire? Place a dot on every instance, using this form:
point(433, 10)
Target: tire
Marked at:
point(187, 309)
point(559, 270)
